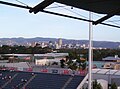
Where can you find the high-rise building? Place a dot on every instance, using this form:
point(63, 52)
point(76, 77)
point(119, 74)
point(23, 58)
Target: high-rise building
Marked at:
point(56, 46)
point(60, 42)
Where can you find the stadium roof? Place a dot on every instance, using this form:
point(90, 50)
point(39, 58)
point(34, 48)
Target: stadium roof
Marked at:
point(52, 55)
point(98, 6)
point(106, 71)
point(108, 7)
point(111, 58)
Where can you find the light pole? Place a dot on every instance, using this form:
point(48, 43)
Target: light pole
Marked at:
point(90, 54)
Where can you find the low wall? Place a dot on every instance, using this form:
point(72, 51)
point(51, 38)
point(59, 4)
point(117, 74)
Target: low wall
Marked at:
point(48, 70)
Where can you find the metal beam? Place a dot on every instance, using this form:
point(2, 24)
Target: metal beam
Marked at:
point(77, 18)
point(15, 5)
point(41, 6)
point(102, 19)
point(105, 17)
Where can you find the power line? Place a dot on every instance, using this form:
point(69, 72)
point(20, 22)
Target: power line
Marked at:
point(77, 18)
point(15, 5)
point(73, 12)
point(86, 17)
point(113, 21)
point(21, 2)
point(27, 7)
point(54, 7)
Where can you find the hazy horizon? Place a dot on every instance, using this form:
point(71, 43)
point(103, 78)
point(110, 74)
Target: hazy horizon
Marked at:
point(16, 22)
point(55, 38)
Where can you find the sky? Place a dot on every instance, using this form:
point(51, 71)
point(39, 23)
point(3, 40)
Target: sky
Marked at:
point(18, 22)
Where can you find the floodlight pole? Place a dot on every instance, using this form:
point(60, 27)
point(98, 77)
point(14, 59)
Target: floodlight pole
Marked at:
point(90, 54)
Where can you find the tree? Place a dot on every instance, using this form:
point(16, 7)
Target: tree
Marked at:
point(113, 86)
point(75, 61)
point(96, 85)
point(62, 62)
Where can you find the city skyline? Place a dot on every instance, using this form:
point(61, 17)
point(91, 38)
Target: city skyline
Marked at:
point(17, 22)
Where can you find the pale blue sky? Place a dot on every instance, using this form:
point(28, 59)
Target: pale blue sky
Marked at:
point(16, 22)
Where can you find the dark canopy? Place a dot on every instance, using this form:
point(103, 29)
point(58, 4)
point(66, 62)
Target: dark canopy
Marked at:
point(98, 6)
point(108, 7)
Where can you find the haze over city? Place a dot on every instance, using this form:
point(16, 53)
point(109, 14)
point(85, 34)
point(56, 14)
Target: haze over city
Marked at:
point(51, 44)
point(16, 22)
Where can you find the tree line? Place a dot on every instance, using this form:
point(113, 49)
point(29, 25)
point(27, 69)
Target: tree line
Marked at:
point(5, 49)
point(98, 54)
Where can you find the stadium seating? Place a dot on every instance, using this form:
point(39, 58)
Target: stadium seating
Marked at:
point(19, 80)
point(75, 82)
point(25, 80)
point(48, 81)
point(5, 76)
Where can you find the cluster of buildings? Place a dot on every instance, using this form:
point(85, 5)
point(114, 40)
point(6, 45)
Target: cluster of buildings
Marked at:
point(43, 44)
point(38, 59)
point(112, 62)
point(58, 44)
point(109, 74)
point(61, 44)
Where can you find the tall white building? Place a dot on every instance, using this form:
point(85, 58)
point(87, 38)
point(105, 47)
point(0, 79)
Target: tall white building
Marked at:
point(60, 42)
point(56, 46)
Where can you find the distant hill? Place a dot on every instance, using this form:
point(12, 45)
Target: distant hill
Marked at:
point(22, 41)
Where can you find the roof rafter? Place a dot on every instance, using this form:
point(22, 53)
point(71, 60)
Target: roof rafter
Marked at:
point(105, 17)
point(15, 5)
point(40, 8)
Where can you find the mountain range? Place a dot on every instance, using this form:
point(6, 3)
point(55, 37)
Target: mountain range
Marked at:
point(23, 41)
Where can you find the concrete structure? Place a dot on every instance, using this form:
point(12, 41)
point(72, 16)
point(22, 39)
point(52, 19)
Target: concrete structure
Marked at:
point(103, 83)
point(117, 66)
point(52, 55)
point(16, 65)
point(114, 59)
point(44, 62)
point(49, 58)
point(113, 63)
point(109, 75)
